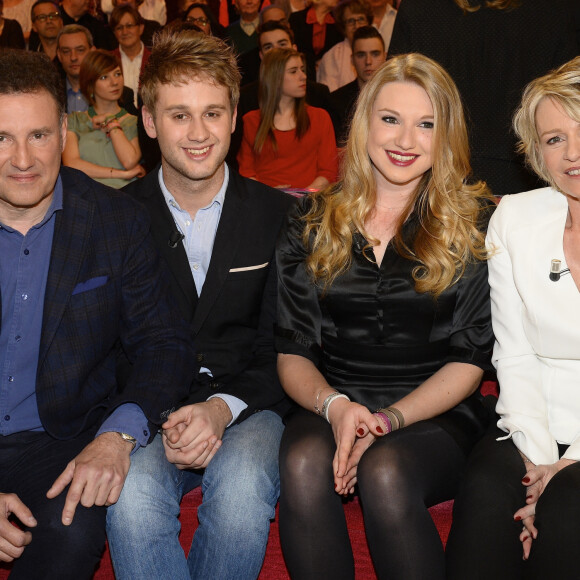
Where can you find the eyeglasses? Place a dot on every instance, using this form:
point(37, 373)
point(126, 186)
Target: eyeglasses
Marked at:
point(44, 17)
point(121, 27)
point(352, 22)
point(201, 20)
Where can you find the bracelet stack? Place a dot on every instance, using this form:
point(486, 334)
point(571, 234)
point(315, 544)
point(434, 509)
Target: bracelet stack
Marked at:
point(392, 418)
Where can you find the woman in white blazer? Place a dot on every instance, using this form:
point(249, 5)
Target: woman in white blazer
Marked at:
point(521, 495)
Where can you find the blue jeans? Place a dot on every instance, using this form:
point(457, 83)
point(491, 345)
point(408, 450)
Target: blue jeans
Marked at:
point(240, 489)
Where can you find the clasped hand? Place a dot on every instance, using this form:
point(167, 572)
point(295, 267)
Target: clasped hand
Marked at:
point(193, 434)
point(355, 429)
point(536, 481)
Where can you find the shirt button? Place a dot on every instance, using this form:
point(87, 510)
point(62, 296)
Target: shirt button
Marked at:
point(24, 297)
point(6, 417)
point(187, 223)
point(196, 266)
point(17, 338)
point(26, 252)
point(10, 379)
point(146, 433)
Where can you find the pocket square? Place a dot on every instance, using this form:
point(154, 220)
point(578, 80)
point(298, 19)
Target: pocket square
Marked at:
point(247, 268)
point(90, 284)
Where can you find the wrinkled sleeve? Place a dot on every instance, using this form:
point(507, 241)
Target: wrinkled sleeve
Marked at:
point(521, 404)
point(299, 314)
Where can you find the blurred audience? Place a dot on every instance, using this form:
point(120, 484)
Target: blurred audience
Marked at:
point(46, 24)
point(102, 141)
point(492, 50)
point(335, 68)
point(11, 35)
point(19, 10)
point(368, 54)
point(243, 33)
point(384, 15)
point(286, 143)
point(77, 12)
point(315, 32)
point(132, 53)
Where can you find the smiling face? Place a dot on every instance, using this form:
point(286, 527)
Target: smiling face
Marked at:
point(294, 82)
point(31, 143)
point(128, 32)
point(109, 86)
point(400, 137)
point(559, 145)
point(193, 123)
point(367, 56)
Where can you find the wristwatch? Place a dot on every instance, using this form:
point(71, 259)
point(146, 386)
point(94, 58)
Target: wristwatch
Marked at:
point(129, 438)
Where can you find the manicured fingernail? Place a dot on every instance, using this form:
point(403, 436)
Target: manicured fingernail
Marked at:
point(526, 479)
point(360, 431)
point(380, 429)
point(517, 518)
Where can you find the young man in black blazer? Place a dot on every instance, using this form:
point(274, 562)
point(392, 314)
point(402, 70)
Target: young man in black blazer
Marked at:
point(217, 232)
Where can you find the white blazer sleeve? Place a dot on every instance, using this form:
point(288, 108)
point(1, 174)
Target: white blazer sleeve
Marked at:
point(521, 401)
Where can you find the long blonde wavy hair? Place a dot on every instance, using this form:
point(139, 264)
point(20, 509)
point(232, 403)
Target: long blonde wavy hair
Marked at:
point(447, 209)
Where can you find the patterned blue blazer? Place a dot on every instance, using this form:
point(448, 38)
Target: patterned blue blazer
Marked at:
point(106, 292)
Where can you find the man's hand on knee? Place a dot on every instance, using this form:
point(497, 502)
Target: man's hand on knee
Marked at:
point(12, 539)
point(192, 435)
point(96, 475)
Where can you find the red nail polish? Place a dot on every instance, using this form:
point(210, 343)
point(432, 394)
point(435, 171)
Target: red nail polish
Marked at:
point(360, 431)
point(517, 518)
point(526, 479)
point(380, 429)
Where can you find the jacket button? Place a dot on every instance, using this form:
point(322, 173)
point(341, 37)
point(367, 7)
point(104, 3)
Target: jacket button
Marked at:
point(214, 385)
point(199, 357)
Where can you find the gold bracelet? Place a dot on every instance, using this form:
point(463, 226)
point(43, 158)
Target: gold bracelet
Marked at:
point(398, 415)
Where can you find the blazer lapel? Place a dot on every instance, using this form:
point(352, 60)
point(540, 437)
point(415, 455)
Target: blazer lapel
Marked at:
point(162, 227)
point(224, 250)
point(69, 245)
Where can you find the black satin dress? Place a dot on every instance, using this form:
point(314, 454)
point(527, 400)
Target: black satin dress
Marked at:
point(373, 336)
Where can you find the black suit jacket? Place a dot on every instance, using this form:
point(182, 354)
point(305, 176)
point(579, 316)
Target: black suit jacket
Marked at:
point(106, 290)
point(232, 322)
point(342, 102)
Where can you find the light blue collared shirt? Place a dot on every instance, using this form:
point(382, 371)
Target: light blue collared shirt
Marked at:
point(75, 100)
point(199, 236)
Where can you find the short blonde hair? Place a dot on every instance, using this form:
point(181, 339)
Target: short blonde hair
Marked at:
point(561, 85)
point(180, 56)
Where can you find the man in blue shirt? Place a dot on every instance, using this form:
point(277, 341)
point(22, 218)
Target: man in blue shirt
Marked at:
point(80, 282)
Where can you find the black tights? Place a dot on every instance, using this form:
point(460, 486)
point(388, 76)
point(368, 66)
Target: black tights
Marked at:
point(399, 477)
point(484, 539)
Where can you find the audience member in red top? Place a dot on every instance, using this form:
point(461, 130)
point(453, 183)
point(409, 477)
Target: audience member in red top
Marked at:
point(315, 32)
point(286, 143)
